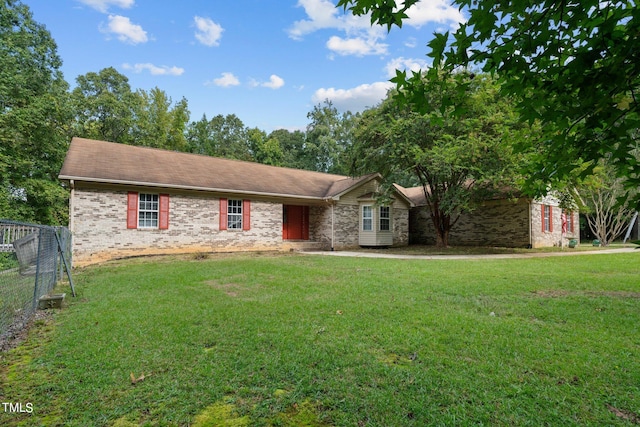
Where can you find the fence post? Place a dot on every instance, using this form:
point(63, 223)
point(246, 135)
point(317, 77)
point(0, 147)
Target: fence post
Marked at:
point(66, 266)
point(37, 280)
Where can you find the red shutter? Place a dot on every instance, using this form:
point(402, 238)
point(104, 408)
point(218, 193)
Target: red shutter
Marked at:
point(551, 219)
point(542, 217)
point(132, 210)
point(573, 230)
point(246, 214)
point(223, 214)
point(163, 223)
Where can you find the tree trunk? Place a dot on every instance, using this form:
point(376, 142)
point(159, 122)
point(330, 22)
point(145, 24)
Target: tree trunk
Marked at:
point(442, 238)
point(442, 226)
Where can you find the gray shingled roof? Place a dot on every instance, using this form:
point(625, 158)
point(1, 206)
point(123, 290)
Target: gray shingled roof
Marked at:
point(108, 162)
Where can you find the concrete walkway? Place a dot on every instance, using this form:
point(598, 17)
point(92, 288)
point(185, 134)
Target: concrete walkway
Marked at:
point(357, 254)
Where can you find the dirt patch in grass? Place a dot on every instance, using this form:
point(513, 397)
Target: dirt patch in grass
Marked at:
point(18, 331)
point(624, 414)
point(552, 293)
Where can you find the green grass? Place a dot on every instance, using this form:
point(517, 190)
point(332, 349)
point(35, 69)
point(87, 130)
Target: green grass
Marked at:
point(303, 340)
point(585, 246)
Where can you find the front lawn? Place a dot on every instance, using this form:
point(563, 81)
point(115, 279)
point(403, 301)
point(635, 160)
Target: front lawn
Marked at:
point(292, 340)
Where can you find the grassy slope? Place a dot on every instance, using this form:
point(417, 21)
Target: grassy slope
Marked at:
point(340, 341)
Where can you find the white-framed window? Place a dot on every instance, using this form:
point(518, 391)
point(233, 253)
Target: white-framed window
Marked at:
point(234, 214)
point(385, 218)
point(367, 218)
point(148, 211)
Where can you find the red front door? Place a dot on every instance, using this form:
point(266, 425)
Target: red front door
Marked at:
point(295, 223)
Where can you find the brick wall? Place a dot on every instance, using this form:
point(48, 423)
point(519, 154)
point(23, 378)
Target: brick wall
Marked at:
point(541, 238)
point(496, 223)
point(400, 224)
point(100, 227)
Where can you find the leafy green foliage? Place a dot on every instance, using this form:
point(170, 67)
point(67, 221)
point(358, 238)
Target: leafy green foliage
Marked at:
point(105, 106)
point(328, 139)
point(383, 12)
point(34, 118)
point(222, 136)
point(157, 123)
point(264, 149)
point(574, 67)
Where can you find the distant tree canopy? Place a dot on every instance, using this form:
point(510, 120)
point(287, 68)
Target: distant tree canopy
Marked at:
point(574, 67)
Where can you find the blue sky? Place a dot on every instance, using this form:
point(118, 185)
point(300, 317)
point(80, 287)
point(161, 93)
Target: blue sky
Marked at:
point(266, 61)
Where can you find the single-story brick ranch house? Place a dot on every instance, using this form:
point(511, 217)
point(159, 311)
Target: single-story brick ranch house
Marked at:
point(129, 200)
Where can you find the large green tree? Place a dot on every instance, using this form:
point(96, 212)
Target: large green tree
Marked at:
point(105, 106)
point(328, 139)
point(573, 66)
point(264, 149)
point(34, 119)
point(460, 152)
point(222, 136)
point(156, 123)
point(291, 145)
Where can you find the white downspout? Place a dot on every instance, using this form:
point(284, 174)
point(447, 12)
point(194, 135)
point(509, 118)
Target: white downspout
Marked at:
point(71, 196)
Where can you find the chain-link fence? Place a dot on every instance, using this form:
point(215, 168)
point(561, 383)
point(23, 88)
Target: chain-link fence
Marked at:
point(33, 258)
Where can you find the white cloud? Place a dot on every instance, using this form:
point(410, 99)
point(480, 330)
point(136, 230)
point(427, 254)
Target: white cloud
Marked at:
point(408, 64)
point(208, 32)
point(361, 38)
point(411, 42)
point(125, 30)
point(103, 5)
point(354, 99)
point(322, 14)
point(356, 46)
point(275, 82)
point(226, 80)
point(439, 11)
point(155, 70)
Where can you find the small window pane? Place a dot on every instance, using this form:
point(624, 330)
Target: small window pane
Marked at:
point(385, 218)
point(547, 218)
point(234, 215)
point(367, 218)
